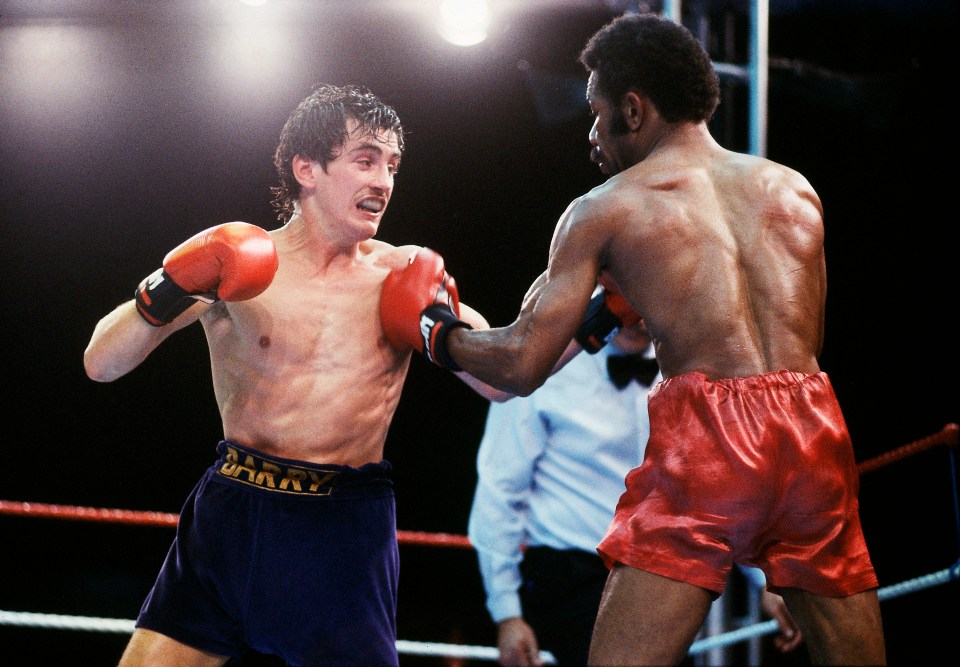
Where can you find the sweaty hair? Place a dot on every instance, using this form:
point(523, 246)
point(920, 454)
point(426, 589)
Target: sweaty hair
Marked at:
point(317, 129)
point(658, 59)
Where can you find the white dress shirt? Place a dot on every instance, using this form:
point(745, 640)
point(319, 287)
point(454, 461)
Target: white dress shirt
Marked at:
point(551, 468)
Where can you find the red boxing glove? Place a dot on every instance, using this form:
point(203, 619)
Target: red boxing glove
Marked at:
point(607, 313)
point(234, 261)
point(419, 305)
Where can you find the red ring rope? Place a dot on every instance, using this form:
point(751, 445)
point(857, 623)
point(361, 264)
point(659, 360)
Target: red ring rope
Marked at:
point(47, 511)
point(949, 435)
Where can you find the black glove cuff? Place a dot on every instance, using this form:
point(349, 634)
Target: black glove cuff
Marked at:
point(599, 325)
point(442, 322)
point(160, 300)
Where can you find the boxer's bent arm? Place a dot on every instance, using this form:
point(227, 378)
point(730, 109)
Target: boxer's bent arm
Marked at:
point(233, 261)
point(123, 339)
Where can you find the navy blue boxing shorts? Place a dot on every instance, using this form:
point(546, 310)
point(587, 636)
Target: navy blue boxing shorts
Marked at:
point(286, 558)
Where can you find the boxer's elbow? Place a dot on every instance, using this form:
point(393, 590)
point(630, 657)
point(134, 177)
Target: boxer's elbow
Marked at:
point(526, 373)
point(96, 369)
point(100, 366)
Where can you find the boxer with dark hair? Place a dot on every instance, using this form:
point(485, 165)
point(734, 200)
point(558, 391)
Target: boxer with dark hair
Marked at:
point(749, 459)
point(287, 545)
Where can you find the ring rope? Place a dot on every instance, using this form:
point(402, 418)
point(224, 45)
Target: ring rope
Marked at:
point(126, 626)
point(920, 583)
point(141, 518)
point(949, 435)
point(119, 625)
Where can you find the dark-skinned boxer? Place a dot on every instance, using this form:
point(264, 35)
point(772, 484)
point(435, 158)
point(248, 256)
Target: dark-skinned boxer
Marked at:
point(749, 459)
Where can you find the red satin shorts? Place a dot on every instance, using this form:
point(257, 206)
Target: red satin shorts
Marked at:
point(758, 471)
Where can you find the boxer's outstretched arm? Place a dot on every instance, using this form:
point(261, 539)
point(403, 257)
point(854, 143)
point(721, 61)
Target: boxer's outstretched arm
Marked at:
point(498, 395)
point(518, 358)
point(478, 321)
point(420, 287)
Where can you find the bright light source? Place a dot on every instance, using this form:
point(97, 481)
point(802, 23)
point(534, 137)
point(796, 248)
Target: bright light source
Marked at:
point(464, 22)
point(254, 3)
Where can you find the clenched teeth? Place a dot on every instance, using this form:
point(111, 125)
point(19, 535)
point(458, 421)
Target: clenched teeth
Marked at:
point(371, 204)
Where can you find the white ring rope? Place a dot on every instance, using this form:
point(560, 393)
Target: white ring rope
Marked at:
point(943, 576)
point(126, 626)
point(119, 625)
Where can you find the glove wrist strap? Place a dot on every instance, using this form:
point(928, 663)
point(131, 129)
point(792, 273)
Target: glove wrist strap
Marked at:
point(599, 325)
point(160, 300)
point(436, 323)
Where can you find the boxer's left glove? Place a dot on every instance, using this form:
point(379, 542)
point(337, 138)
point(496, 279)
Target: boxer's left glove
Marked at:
point(419, 306)
point(607, 313)
point(234, 261)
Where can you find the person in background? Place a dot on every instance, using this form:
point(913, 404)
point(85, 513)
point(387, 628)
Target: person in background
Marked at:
point(550, 471)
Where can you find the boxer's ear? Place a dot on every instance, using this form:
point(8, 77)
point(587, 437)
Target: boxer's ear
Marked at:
point(632, 108)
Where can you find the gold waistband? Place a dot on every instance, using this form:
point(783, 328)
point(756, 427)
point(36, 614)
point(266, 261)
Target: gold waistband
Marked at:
point(271, 475)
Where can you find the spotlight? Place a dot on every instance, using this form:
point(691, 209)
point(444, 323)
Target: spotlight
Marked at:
point(464, 22)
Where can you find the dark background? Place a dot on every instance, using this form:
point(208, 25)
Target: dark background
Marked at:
point(126, 127)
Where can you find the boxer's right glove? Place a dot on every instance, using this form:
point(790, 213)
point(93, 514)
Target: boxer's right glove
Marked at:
point(419, 306)
point(607, 313)
point(234, 261)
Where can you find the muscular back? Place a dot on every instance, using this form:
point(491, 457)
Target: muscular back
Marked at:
point(722, 254)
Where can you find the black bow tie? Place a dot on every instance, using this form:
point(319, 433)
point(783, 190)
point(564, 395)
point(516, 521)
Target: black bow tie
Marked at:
point(625, 367)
